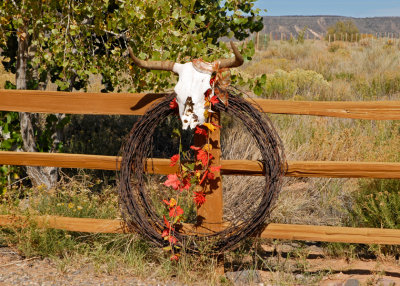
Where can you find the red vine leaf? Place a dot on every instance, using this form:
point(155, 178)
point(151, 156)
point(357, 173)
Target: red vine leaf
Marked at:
point(204, 157)
point(186, 184)
point(200, 131)
point(173, 239)
point(215, 169)
point(174, 159)
point(174, 257)
point(173, 104)
point(165, 233)
point(175, 211)
point(214, 100)
point(212, 81)
point(199, 198)
point(173, 181)
point(210, 176)
point(167, 223)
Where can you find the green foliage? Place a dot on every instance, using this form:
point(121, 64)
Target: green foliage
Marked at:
point(385, 84)
point(301, 36)
point(282, 84)
point(377, 204)
point(73, 39)
point(342, 28)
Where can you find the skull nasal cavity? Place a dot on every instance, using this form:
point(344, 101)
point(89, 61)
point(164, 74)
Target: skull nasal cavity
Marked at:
point(189, 104)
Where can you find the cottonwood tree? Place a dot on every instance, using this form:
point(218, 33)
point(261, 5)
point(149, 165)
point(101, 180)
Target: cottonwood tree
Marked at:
point(341, 28)
point(66, 41)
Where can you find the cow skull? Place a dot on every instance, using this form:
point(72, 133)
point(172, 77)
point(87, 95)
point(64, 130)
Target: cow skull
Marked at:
point(193, 82)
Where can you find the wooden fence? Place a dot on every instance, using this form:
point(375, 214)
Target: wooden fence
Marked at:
point(137, 104)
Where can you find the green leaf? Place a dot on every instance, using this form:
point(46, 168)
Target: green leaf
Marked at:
point(5, 129)
point(6, 145)
point(167, 248)
point(190, 166)
point(175, 14)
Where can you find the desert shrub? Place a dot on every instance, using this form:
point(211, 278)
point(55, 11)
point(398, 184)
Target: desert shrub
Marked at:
point(377, 204)
point(382, 85)
point(345, 75)
point(335, 46)
point(282, 84)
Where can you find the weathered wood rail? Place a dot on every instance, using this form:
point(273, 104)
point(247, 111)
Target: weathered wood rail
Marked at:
point(273, 230)
point(330, 169)
point(137, 104)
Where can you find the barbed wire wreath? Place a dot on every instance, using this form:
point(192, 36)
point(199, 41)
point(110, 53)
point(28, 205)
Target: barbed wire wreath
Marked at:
point(138, 210)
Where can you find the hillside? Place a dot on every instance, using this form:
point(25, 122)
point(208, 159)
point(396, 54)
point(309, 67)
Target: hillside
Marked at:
point(319, 24)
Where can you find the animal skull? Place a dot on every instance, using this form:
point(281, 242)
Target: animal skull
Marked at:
point(193, 82)
point(190, 89)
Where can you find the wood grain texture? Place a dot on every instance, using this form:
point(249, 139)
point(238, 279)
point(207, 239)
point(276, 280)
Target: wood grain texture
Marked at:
point(209, 215)
point(377, 110)
point(328, 169)
point(137, 104)
point(275, 231)
point(77, 102)
point(67, 223)
point(332, 234)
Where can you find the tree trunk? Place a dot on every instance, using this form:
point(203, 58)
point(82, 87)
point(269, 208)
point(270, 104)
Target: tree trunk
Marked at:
point(47, 176)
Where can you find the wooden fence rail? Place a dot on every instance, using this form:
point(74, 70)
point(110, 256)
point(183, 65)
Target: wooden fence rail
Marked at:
point(330, 169)
point(273, 230)
point(137, 104)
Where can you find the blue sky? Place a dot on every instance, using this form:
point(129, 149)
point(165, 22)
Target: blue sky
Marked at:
point(352, 8)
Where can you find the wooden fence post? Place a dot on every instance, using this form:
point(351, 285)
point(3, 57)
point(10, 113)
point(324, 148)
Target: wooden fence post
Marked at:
point(209, 215)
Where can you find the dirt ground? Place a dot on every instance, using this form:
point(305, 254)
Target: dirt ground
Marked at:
point(337, 272)
point(14, 270)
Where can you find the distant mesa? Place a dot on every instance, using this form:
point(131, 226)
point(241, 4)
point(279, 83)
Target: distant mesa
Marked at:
point(317, 25)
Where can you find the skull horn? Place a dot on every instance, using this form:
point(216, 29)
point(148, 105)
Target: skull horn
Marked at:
point(151, 65)
point(232, 62)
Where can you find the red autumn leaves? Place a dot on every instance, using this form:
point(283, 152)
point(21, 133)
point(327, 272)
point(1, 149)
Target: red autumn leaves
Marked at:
point(203, 156)
point(174, 181)
point(174, 209)
point(191, 175)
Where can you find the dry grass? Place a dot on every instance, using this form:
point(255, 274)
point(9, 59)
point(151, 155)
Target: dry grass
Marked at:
point(354, 72)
